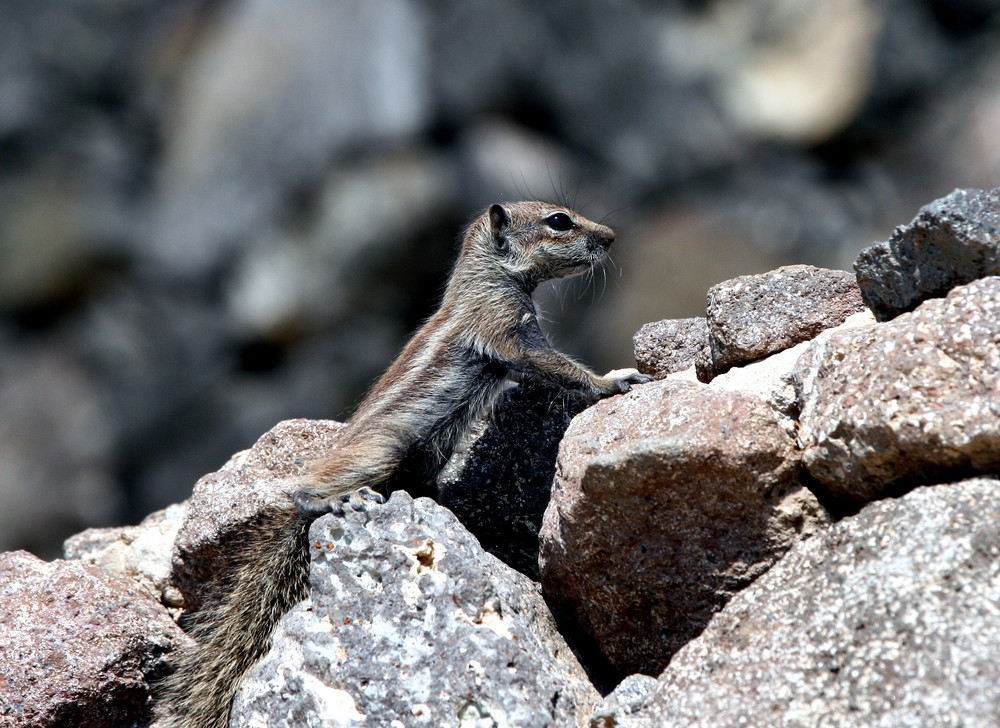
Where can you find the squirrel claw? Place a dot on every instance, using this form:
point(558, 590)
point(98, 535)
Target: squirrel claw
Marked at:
point(314, 505)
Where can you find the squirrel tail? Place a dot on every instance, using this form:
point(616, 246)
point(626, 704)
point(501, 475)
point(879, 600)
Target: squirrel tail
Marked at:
point(233, 629)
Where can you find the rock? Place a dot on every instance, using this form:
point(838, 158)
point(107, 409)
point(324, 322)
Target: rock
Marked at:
point(226, 502)
point(141, 553)
point(667, 501)
point(773, 378)
point(78, 645)
point(889, 618)
point(914, 400)
point(951, 241)
point(499, 485)
point(668, 346)
point(627, 698)
point(750, 317)
point(412, 623)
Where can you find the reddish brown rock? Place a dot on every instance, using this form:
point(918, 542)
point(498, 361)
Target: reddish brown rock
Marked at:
point(666, 502)
point(77, 645)
point(753, 316)
point(227, 501)
point(914, 400)
point(668, 346)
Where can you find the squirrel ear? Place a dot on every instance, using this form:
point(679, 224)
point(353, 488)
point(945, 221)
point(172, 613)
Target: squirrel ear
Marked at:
point(499, 222)
point(499, 219)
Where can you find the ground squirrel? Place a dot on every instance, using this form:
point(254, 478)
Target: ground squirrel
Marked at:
point(403, 432)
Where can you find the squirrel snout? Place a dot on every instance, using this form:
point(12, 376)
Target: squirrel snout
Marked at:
point(603, 236)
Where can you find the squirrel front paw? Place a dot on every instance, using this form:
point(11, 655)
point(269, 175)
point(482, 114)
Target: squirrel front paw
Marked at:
point(620, 381)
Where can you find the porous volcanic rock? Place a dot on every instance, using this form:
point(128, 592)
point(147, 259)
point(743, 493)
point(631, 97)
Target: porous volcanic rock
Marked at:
point(951, 241)
point(78, 645)
point(889, 618)
point(911, 401)
point(411, 623)
point(668, 346)
point(666, 502)
point(750, 317)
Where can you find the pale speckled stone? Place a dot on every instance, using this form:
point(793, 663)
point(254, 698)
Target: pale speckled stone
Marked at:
point(889, 619)
point(951, 241)
point(411, 623)
point(911, 401)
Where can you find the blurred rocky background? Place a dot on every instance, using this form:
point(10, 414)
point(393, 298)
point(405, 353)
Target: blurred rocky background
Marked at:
point(217, 214)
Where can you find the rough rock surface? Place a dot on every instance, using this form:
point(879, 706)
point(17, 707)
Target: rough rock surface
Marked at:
point(773, 378)
point(142, 553)
point(499, 485)
point(224, 502)
point(668, 346)
point(913, 400)
point(411, 623)
point(77, 645)
point(753, 316)
point(951, 241)
point(667, 501)
point(628, 697)
point(889, 618)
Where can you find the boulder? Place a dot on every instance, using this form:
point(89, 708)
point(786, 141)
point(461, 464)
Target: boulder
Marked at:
point(951, 241)
point(911, 401)
point(78, 645)
point(669, 346)
point(667, 501)
point(888, 618)
point(410, 622)
point(751, 317)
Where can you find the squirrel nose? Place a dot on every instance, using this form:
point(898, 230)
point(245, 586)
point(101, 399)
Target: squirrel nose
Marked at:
point(606, 235)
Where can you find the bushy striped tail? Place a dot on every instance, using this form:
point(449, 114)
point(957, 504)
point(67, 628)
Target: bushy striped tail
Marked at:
point(233, 630)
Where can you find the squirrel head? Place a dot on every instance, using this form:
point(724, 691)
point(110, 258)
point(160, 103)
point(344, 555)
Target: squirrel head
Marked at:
point(537, 241)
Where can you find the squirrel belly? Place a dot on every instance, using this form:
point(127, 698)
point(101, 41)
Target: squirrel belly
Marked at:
point(402, 434)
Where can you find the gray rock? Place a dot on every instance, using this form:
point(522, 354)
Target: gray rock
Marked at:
point(911, 401)
point(951, 241)
point(141, 553)
point(412, 623)
point(226, 502)
point(750, 317)
point(499, 485)
point(667, 501)
point(78, 645)
point(624, 700)
point(889, 618)
point(668, 346)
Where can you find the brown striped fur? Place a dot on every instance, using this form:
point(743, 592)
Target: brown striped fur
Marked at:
point(402, 433)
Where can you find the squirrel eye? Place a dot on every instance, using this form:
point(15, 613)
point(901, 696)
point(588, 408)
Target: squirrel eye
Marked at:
point(559, 222)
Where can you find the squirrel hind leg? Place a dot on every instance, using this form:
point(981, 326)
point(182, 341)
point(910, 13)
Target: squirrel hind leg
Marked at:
point(314, 505)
